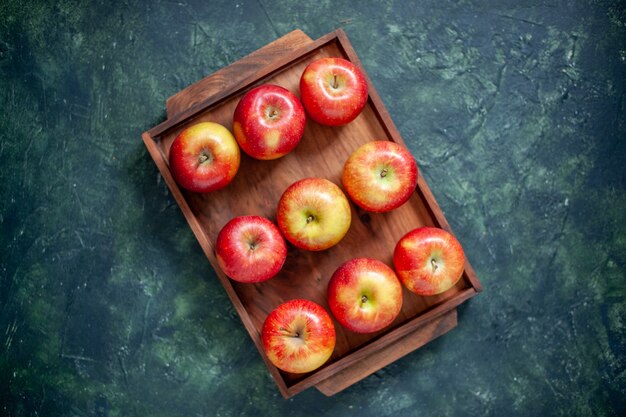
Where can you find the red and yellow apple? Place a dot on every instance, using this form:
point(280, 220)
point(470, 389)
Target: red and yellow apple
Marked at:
point(429, 260)
point(364, 295)
point(204, 157)
point(380, 176)
point(313, 214)
point(250, 249)
point(298, 336)
point(268, 122)
point(333, 91)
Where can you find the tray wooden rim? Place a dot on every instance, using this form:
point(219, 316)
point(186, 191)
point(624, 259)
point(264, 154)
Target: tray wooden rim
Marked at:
point(340, 39)
point(244, 67)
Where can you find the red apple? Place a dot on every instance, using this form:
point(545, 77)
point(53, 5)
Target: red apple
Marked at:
point(204, 157)
point(298, 336)
point(268, 122)
point(364, 295)
point(429, 260)
point(250, 249)
point(380, 176)
point(313, 214)
point(333, 91)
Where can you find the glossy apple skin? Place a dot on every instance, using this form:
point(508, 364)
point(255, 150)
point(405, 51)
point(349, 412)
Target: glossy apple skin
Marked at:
point(250, 249)
point(204, 157)
point(298, 336)
point(313, 214)
point(268, 122)
point(333, 91)
point(364, 295)
point(380, 176)
point(429, 260)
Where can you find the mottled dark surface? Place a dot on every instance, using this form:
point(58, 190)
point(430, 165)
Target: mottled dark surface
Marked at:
point(514, 110)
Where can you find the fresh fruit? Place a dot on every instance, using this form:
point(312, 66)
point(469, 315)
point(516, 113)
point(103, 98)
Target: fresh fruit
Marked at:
point(298, 336)
point(268, 122)
point(333, 91)
point(204, 157)
point(429, 260)
point(250, 249)
point(313, 214)
point(364, 295)
point(380, 176)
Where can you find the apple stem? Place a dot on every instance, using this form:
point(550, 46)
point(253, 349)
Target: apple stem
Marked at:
point(434, 265)
point(364, 299)
point(335, 81)
point(289, 333)
point(310, 219)
point(203, 157)
point(383, 173)
point(273, 113)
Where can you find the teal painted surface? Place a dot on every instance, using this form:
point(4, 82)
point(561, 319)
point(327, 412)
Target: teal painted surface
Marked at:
point(515, 112)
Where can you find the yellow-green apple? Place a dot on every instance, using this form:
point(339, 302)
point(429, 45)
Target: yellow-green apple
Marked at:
point(298, 336)
point(250, 249)
point(333, 91)
point(204, 157)
point(380, 176)
point(268, 122)
point(313, 214)
point(364, 295)
point(429, 260)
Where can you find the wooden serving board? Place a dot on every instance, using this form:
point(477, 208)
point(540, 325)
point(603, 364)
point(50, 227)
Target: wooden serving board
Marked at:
point(258, 186)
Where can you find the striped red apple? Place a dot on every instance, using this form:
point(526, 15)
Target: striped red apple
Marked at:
point(364, 295)
point(380, 176)
point(429, 260)
point(250, 249)
point(333, 91)
point(204, 157)
point(268, 122)
point(298, 336)
point(313, 214)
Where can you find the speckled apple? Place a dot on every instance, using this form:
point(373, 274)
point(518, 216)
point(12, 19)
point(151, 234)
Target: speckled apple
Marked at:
point(204, 157)
point(250, 249)
point(429, 260)
point(333, 91)
point(268, 122)
point(364, 295)
point(298, 336)
point(380, 176)
point(313, 214)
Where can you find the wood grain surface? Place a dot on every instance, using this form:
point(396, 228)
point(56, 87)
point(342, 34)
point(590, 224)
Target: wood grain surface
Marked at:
point(257, 188)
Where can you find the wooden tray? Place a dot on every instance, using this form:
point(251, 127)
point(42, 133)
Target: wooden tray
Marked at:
point(258, 187)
